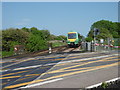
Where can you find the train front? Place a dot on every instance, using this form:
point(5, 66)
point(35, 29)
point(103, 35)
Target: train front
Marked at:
point(72, 39)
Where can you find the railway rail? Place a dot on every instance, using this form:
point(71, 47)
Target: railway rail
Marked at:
point(30, 56)
point(34, 54)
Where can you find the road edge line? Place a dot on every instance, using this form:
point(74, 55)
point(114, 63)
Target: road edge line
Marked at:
point(41, 83)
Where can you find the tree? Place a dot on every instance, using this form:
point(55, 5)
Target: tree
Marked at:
point(107, 29)
point(52, 37)
point(35, 43)
point(61, 37)
point(11, 37)
point(88, 39)
point(45, 34)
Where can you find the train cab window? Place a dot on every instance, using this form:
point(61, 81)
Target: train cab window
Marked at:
point(71, 35)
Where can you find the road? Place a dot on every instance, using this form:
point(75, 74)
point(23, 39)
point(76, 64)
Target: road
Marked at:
point(66, 70)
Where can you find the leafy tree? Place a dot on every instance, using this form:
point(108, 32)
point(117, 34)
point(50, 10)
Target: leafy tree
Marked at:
point(107, 29)
point(61, 37)
point(88, 39)
point(11, 37)
point(35, 43)
point(104, 33)
point(52, 37)
point(25, 29)
point(32, 38)
point(45, 34)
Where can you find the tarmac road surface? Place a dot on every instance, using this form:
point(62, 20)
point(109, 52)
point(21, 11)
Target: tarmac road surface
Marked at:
point(72, 70)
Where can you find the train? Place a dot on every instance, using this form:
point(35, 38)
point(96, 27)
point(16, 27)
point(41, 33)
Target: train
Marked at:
point(74, 39)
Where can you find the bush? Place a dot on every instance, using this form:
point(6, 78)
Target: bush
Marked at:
point(104, 85)
point(35, 43)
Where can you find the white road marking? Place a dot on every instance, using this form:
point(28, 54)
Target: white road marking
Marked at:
point(49, 64)
point(4, 70)
point(96, 85)
point(87, 59)
point(27, 67)
point(41, 83)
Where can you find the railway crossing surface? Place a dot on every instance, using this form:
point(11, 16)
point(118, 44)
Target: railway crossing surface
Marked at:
point(66, 70)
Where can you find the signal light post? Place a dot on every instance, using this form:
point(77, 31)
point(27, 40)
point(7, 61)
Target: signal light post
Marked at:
point(96, 32)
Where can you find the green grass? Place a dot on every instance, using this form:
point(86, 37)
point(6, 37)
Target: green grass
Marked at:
point(104, 85)
point(56, 44)
point(6, 54)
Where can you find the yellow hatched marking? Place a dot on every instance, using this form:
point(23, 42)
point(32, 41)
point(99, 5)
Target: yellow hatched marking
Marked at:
point(28, 76)
point(57, 71)
point(112, 60)
point(4, 83)
point(24, 78)
point(87, 63)
point(10, 77)
point(14, 73)
point(19, 76)
point(58, 76)
point(84, 60)
point(32, 74)
point(63, 69)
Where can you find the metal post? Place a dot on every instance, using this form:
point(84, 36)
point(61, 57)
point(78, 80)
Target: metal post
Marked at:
point(94, 40)
point(92, 46)
point(109, 45)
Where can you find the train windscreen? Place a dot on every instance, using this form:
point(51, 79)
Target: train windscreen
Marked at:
point(71, 35)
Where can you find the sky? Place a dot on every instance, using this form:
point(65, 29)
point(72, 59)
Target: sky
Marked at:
point(57, 17)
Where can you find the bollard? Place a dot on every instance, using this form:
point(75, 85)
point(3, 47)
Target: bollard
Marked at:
point(50, 50)
point(50, 47)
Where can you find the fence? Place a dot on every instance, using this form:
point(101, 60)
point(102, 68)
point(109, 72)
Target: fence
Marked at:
point(91, 46)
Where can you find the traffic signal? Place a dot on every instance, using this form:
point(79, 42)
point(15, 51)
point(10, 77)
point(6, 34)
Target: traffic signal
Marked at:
point(96, 31)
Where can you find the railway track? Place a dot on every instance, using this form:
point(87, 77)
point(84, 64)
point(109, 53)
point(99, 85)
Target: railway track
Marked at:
point(34, 54)
point(22, 58)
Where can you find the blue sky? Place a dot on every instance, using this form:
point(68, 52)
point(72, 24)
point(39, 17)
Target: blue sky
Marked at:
point(57, 17)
